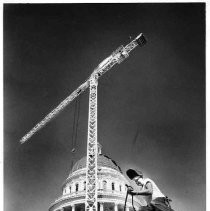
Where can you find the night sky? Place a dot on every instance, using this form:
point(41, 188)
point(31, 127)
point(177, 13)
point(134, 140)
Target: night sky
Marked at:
point(151, 107)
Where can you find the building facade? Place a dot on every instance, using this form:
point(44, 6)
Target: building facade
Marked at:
point(111, 188)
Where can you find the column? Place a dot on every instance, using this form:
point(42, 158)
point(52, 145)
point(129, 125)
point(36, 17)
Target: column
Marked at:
point(101, 206)
point(115, 207)
point(127, 208)
point(73, 207)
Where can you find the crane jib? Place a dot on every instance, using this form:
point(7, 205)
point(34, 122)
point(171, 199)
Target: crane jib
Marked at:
point(117, 56)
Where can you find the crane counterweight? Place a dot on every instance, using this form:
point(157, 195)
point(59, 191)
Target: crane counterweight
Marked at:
point(141, 40)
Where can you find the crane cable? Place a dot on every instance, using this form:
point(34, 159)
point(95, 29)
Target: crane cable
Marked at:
point(75, 129)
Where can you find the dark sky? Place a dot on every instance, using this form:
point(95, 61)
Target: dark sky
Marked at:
point(151, 107)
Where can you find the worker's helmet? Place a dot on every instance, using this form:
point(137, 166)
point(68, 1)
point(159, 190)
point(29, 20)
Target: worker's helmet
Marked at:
point(131, 173)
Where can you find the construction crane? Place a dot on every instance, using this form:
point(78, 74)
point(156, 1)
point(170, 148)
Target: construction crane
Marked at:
point(117, 56)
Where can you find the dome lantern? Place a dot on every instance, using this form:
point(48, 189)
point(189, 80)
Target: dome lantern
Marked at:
point(99, 148)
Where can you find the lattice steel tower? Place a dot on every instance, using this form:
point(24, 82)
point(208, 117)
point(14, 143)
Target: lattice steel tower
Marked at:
point(92, 82)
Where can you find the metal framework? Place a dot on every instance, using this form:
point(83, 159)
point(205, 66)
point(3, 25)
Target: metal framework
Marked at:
point(91, 164)
point(92, 148)
point(116, 57)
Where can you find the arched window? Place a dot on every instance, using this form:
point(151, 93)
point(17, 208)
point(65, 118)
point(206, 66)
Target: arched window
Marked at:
point(112, 185)
point(120, 187)
point(84, 185)
point(77, 187)
point(104, 184)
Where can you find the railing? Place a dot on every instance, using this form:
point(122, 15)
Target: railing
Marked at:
point(100, 192)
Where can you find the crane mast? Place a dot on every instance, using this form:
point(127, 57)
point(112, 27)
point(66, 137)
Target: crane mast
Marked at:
point(92, 82)
point(92, 149)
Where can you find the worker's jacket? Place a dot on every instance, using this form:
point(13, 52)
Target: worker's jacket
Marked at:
point(156, 193)
point(157, 201)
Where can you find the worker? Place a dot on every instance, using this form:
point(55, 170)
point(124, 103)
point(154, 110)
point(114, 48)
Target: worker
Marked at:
point(155, 199)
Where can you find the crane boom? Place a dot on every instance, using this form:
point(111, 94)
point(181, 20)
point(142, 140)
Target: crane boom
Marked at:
point(116, 57)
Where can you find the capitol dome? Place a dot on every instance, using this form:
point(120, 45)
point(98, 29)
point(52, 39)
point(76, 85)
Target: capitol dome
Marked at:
point(111, 188)
point(103, 161)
